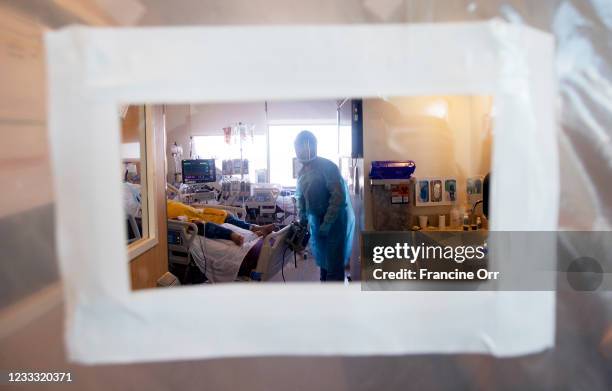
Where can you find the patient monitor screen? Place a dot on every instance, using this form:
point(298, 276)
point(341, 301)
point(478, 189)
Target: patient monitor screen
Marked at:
point(199, 171)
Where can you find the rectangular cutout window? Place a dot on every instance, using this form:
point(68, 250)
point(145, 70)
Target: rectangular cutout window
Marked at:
point(109, 322)
point(224, 221)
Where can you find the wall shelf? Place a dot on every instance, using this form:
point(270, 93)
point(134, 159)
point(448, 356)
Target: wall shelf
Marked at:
point(374, 182)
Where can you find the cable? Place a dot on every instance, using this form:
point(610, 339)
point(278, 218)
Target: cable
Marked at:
point(203, 254)
point(283, 264)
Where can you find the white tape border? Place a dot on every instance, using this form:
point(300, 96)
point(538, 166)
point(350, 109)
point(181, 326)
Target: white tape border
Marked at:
point(91, 71)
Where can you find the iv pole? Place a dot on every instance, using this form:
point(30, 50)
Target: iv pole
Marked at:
point(177, 153)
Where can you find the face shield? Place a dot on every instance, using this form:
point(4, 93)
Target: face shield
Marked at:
point(305, 146)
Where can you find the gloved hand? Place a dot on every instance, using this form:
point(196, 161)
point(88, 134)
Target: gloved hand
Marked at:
point(324, 229)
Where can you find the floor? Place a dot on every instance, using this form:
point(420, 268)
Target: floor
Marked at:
point(300, 269)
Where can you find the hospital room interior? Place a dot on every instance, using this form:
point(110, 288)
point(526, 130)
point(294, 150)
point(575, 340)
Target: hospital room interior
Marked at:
point(231, 210)
point(207, 194)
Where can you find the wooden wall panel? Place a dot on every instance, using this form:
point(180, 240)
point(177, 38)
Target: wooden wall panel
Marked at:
point(130, 125)
point(152, 264)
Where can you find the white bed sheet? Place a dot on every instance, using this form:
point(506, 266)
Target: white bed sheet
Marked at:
point(220, 259)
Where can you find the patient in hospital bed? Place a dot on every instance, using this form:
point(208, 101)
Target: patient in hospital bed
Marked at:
point(221, 260)
point(209, 222)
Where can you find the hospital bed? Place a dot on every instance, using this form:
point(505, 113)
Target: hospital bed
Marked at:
point(183, 236)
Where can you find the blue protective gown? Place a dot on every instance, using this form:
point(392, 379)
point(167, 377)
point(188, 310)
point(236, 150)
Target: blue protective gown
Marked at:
point(323, 200)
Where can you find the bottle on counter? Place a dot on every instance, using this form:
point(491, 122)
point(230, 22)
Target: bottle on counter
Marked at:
point(455, 217)
point(466, 222)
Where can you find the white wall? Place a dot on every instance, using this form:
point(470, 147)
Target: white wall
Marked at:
point(183, 121)
point(299, 112)
point(130, 151)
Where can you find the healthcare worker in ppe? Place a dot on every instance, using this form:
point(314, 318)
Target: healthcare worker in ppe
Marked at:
point(323, 202)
